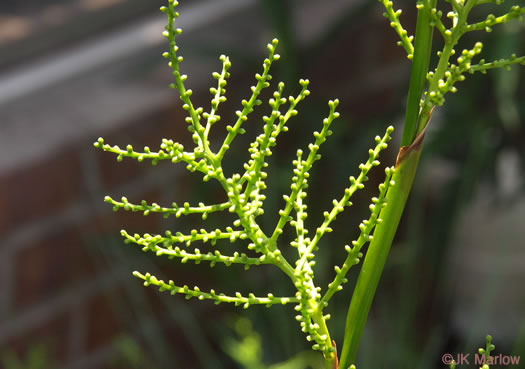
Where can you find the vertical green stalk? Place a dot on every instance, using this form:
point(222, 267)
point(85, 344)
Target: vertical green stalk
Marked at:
point(418, 73)
point(397, 195)
point(378, 251)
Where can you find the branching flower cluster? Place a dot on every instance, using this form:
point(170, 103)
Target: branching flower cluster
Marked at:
point(448, 72)
point(245, 192)
point(245, 196)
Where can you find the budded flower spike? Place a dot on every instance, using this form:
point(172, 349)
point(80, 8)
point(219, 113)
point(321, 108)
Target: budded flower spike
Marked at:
point(168, 151)
point(245, 197)
point(485, 352)
point(483, 66)
point(218, 94)
point(515, 13)
point(393, 16)
point(238, 299)
point(442, 80)
point(150, 242)
point(175, 209)
point(261, 147)
point(366, 228)
point(248, 105)
point(355, 184)
point(302, 167)
point(454, 73)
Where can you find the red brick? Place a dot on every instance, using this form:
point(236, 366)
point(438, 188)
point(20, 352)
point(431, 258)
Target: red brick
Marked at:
point(148, 130)
point(388, 50)
point(103, 323)
point(111, 222)
point(333, 54)
point(53, 334)
point(49, 266)
point(361, 107)
point(117, 173)
point(107, 322)
point(168, 123)
point(4, 214)
point(41, 188)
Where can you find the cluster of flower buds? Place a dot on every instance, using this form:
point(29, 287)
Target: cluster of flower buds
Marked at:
point(446, 74)
point(244, 194)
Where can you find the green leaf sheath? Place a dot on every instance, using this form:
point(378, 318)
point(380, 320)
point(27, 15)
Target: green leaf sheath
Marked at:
point(397, 195)
point(377, 253)
point(418, 72)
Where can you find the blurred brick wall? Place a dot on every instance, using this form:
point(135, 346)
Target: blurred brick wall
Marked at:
point(54, 281)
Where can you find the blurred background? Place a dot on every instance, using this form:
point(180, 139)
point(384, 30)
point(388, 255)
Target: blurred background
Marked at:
point(74, 70)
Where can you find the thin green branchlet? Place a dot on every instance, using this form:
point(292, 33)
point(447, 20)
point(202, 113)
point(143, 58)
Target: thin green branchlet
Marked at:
point(447, 73)
point(175, 209)
point(405, 40)
point(244, 197)
point(238, 299)
point(366, 227)
point(484, 354)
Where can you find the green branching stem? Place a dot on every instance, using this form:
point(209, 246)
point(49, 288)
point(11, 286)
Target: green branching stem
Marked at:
point(218, 94)
point(244, 192)
point(516, 12)
point(168, 151)
point(261, 148)
point(170, 239)
point(434, 95)
point(482, 66)
point(339, 206)
point(197, 256)
point(366, 228)
point(485, 352)
point(481, 2)
point(238, 299)
point(378, 250)
point(300, 209)
point(301, 171)
point(311, 317)
point(436, 21)
point(199, 131)
point(393, 16)
point(311, 306)
point(175, 209)
point(260, 242)
point(242, 116)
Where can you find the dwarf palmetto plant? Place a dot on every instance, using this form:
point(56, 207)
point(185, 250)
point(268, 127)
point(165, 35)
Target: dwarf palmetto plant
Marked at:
point(244, 194)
